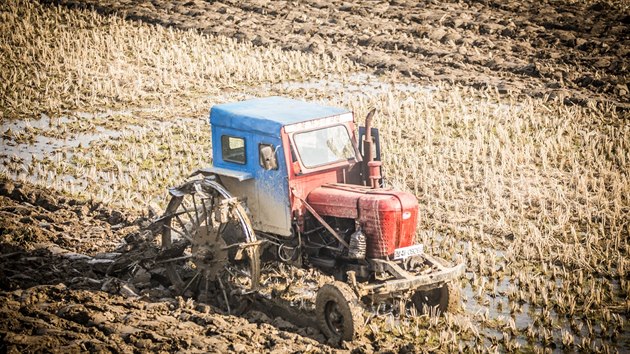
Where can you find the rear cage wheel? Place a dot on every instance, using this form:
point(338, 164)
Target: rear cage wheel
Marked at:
point(208, 246)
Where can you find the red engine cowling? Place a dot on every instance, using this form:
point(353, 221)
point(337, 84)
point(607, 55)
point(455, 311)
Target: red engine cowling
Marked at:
point(388, 217)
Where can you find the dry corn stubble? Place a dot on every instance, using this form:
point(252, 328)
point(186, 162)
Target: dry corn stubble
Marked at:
point(56, 60)
point(542, 186)
point(534, 194)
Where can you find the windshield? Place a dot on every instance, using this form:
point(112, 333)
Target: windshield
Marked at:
point(324, 146)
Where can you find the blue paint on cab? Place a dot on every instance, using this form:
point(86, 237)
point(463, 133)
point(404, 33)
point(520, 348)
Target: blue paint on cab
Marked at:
point(268, 115)
point(260, 121)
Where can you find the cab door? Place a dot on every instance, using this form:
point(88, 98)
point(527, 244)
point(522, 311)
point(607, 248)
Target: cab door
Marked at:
point(272, 187)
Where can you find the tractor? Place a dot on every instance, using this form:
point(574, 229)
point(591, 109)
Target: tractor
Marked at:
point(297, 182)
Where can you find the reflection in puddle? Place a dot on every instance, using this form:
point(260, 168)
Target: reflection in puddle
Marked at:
point(43, 146)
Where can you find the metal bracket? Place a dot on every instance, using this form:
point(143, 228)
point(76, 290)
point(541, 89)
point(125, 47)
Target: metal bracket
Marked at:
point(434, 262)
point(320, 219)
point(414, 282)
point(243, 246)
point(390, 267)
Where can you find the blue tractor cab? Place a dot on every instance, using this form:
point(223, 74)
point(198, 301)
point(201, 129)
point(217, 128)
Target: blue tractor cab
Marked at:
point(244, 134)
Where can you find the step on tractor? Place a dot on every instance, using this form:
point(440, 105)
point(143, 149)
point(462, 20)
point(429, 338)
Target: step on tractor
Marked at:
point(296, 182)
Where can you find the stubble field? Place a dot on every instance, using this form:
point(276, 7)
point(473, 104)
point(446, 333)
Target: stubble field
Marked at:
point(521, 171)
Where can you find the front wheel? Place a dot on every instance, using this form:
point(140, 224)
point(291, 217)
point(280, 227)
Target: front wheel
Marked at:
point(443, 299)
point(339, 313)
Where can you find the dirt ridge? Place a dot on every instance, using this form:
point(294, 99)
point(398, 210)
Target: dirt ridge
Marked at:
point(68, 283)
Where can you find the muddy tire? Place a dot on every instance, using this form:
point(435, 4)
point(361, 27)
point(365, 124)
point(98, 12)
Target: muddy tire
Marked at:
point(339, 313)
point(446, 298)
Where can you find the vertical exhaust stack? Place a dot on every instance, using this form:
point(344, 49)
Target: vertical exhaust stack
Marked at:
point(375, 173)
point(371, 169)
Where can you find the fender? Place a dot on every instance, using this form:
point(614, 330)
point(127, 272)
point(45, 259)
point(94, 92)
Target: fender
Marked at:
point(209, 171)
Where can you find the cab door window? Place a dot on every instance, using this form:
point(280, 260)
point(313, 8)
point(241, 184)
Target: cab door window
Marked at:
point(233, 149)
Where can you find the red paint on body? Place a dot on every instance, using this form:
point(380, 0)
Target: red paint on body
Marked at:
point(388, 217)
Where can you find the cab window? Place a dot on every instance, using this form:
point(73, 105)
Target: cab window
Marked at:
point(324, 146)
point(233, 149)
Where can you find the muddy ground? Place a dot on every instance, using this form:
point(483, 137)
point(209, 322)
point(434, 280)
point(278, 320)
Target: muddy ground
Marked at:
point(64, 286)
point(574, 51)
point(63, 283)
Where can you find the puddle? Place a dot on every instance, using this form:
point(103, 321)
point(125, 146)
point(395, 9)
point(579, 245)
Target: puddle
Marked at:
point(44, 146)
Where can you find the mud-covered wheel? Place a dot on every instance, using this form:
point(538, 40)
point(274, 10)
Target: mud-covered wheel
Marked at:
point(339, 313)
point(426, 301)
point(446, 298)
point(208, 246)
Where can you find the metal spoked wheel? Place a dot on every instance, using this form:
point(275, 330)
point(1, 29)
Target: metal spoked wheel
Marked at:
point(338, 311)
point(208, 246)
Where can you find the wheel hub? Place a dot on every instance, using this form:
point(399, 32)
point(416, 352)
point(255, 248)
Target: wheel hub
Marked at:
point(334, 318)
point(209, 253)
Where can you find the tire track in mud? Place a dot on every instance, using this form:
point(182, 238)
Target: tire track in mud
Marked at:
point(577, 52)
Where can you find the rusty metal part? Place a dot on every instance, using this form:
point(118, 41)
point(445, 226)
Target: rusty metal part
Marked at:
point(374, 172)
point(240, 247)
point(209, 252)
point(320, 219)
point(367, 146)
point(434, 262)
point(406, 281)
point(381, 266)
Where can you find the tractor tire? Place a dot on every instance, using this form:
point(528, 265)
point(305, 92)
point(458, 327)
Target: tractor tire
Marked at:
point(446, 298)
point(339, 312)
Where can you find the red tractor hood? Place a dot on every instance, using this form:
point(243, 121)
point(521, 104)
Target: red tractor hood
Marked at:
point(388, 218)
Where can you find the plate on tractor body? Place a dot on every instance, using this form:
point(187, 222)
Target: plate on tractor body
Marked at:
point(404, 252)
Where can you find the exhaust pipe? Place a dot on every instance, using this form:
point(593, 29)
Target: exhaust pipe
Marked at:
point(371, 168)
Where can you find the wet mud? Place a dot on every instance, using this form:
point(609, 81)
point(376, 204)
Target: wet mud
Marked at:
point(78, 276)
